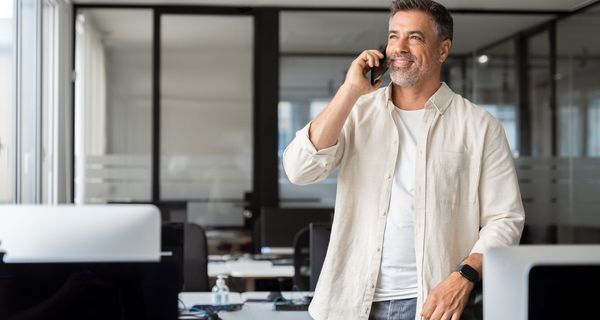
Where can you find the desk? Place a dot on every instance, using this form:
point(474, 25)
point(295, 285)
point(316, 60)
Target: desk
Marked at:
point(249, 270)
point(250, 310)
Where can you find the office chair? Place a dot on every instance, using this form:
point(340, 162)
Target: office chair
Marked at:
point(187, 242)
point(195, 258)
point(319, 241)
point(301, 258)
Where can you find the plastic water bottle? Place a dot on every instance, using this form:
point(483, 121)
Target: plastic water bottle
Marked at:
point(220, 292)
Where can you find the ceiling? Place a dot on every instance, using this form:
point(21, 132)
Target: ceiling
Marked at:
point(328, 32)
point(313, 31)
point(451, 4)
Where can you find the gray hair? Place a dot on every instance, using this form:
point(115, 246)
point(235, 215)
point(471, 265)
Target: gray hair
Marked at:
point(441, 16)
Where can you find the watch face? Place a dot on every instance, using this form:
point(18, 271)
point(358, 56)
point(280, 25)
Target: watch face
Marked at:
point(468, 272)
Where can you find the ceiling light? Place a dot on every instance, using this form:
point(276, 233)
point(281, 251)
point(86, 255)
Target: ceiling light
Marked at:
point(482, 59)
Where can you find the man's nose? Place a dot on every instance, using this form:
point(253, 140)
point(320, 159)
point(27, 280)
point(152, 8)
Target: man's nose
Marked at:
point(400, 47)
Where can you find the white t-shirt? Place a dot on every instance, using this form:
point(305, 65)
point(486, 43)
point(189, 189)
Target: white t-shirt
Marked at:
point(398, 273)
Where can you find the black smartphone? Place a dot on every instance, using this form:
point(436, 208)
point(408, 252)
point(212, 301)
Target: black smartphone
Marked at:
point(378, 72)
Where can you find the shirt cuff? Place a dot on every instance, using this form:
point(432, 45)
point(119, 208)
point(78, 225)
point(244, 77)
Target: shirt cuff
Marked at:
point(307, 145)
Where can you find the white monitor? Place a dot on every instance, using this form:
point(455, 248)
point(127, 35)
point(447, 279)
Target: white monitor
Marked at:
point(79, 233)
point(540, 282)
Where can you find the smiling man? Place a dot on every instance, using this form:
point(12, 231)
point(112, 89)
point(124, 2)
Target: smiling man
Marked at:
point(426, 181)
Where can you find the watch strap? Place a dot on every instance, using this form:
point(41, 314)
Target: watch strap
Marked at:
point(468, 272)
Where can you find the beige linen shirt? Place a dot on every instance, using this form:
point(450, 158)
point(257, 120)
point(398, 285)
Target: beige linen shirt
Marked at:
point(467, 195)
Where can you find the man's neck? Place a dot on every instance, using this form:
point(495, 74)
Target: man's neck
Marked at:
point(414, 97)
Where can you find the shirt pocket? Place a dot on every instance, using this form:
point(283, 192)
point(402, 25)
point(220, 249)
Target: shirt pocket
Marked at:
point(451, 178)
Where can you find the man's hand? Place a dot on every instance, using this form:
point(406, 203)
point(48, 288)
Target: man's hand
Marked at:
point(448, 299)
point(356, 75)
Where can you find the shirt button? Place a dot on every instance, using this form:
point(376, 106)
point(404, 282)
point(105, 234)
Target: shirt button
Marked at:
point(378, 249)
point(384, 213)
point(389, 176)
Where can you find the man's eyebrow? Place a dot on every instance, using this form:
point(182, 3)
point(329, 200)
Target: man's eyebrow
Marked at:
point(420, 33)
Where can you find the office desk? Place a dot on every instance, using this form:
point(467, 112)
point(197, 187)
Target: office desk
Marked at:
point(250, 270)
point(250, 310)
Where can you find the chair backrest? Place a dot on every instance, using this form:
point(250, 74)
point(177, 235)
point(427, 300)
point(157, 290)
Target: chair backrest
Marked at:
point(318, 243)
point(301, 258)
point(187, 242)
point(195, 258)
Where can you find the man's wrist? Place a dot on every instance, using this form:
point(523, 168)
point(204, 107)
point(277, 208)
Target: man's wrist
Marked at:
point(351, 90)
point(462, 281)
point(468, 272)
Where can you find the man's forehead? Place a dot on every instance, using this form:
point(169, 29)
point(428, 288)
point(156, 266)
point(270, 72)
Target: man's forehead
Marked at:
point(413, 20)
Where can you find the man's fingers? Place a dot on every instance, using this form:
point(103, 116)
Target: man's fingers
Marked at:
point(456, 316)
point(371, 57)
point(437, 314)
point(428, 309)
point(370, 61)
point(447, 315)
point(376, 53)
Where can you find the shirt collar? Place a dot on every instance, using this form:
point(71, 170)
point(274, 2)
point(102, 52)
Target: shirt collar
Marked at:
point(439, 101)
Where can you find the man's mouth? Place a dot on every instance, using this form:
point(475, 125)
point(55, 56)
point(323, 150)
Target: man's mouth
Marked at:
point(402, 63)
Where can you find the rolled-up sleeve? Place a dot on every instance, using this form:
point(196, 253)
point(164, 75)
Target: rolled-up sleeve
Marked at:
point(304, 165)
point(501, 208)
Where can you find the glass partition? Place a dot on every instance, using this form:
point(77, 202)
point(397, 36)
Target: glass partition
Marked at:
point(306, 86)
point(493, 79)
point(578, 99)
point(316, 51)
point(206, 135)
point(538, 64)
point(113, 105)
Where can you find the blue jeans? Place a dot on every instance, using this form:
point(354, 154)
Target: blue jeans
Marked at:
point(403, 309)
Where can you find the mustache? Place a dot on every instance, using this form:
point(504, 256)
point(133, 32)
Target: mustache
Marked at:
point(403, 56)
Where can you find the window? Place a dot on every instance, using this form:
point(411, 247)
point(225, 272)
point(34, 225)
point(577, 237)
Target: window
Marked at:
point(6, 99)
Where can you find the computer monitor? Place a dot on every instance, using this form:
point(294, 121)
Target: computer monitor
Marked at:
point(79, 233)
point(541, 282)
point(278, 226)
point(85, 262)
point(318, 243)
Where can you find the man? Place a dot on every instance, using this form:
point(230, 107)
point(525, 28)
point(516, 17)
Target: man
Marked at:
point(426, 181)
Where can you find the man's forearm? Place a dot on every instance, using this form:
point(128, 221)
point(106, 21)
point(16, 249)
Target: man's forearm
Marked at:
point(325, 129)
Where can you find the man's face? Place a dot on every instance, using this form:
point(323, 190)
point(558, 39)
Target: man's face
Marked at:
point(414, 51)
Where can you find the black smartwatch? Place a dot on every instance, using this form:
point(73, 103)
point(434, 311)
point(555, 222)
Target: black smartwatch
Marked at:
point(468, 272)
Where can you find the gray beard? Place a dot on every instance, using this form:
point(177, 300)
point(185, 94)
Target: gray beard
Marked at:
point(409, 78)
point(404, 80)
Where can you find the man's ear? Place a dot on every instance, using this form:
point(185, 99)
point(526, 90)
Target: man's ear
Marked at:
point(445, 49)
